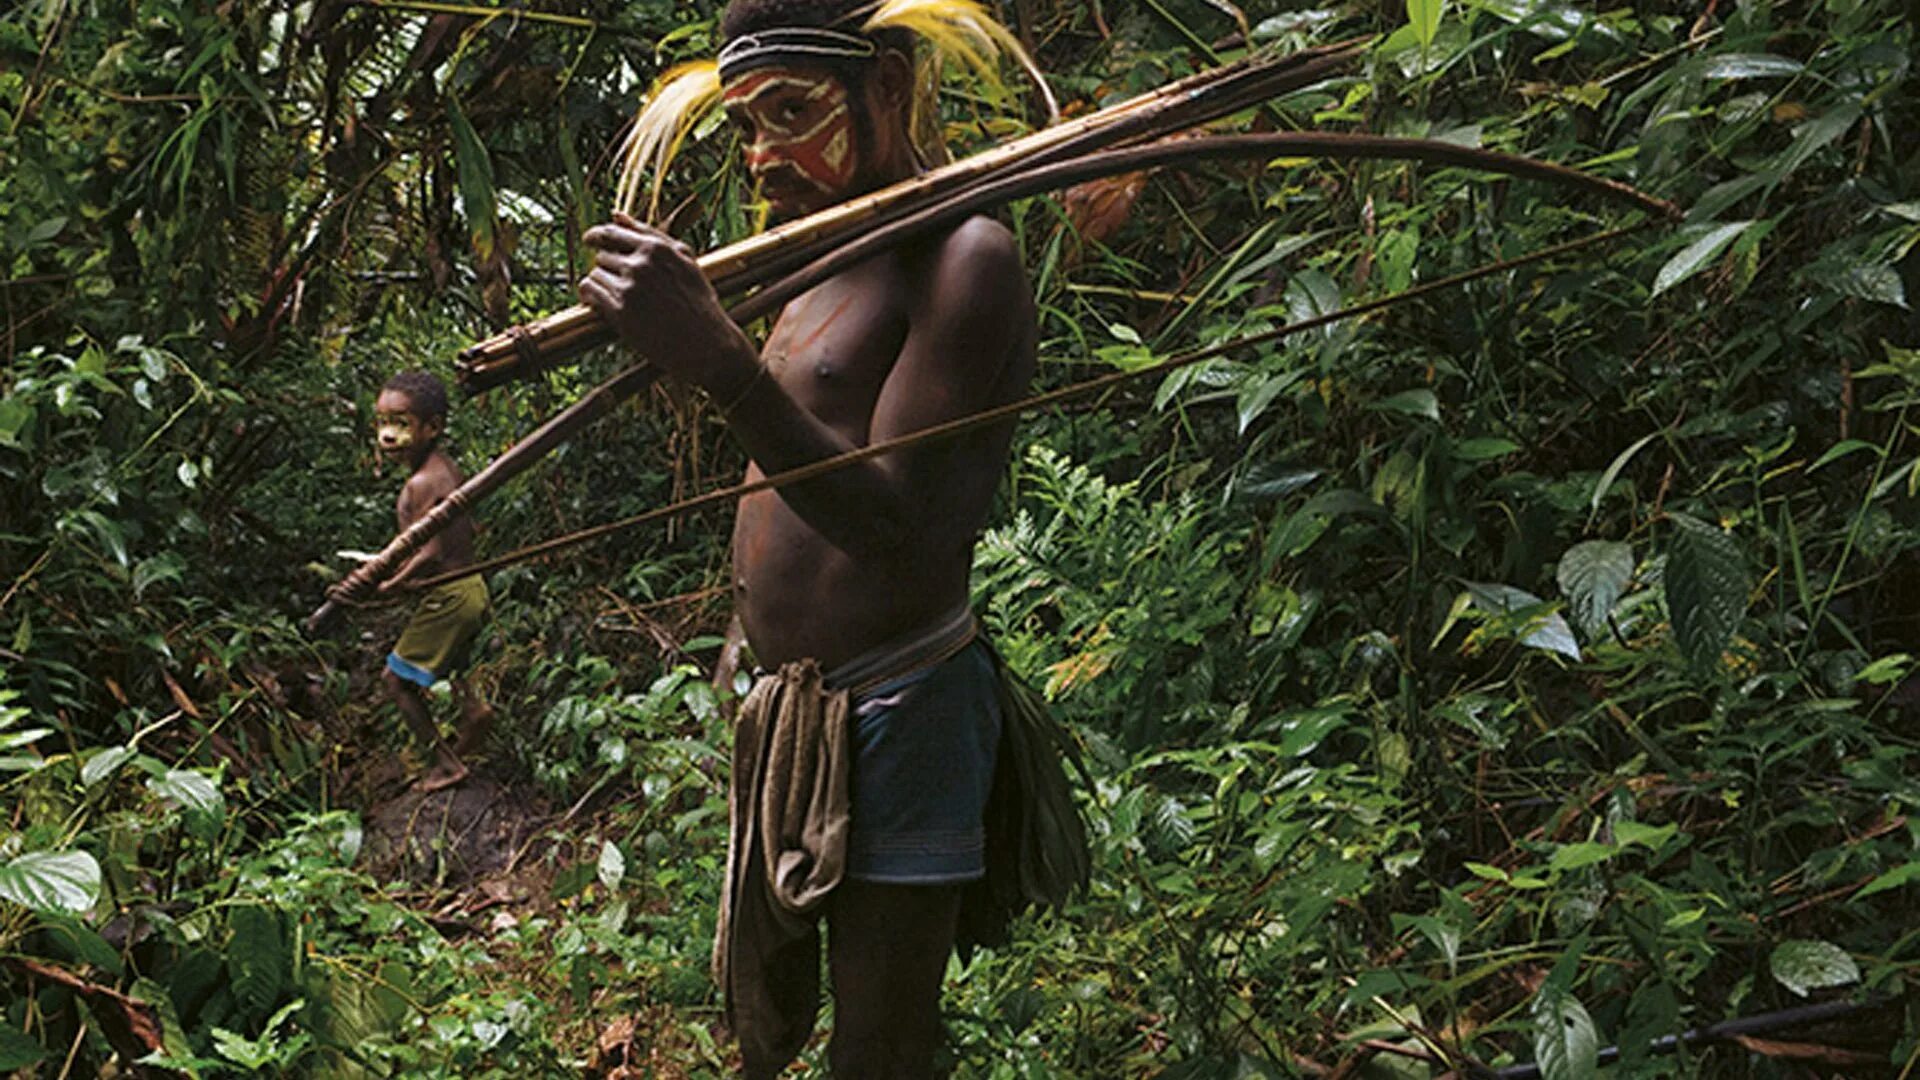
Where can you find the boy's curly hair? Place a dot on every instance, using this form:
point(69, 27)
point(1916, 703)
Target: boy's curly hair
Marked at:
point(426, 394)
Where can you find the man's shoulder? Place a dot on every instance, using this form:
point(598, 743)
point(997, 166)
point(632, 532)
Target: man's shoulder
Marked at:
point(978, 245)
point(977, 258)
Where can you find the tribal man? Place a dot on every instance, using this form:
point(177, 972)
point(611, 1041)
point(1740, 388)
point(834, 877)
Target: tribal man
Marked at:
point(860, 574)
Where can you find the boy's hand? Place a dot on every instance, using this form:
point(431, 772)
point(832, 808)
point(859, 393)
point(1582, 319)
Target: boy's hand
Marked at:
point(650, 289)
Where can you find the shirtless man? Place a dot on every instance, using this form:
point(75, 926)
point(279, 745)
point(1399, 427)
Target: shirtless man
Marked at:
point(411, 415)
point(843, 567)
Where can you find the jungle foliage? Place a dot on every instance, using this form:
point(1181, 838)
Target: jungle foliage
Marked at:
point(1513, 673)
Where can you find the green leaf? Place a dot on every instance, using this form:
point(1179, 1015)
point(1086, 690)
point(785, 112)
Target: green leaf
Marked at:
point(475, 169)
point(1802, 965)
point(259, 961)
point(193, 791)
point(1815, 135)
point(1750, 66)
point(1486, 449)
point(1842, 449)
point(1593, 575)
point(1706, 589)
point(1695, 256)
point(1575, 856)
point(67, 881)
point(18, 1049)
point(612, 866)
point(1564, 1041)
point(1545, 630)
point(1418, 402)
point(1613, 472)
point(104, 764)
point(1424, 17)
point(1879, 283)
point(1893, 879)
point(1651, 837)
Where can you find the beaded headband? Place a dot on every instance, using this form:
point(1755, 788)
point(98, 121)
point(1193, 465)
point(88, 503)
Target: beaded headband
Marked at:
point(783, 44)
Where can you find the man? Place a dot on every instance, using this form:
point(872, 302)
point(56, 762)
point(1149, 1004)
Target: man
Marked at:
point(862, 571)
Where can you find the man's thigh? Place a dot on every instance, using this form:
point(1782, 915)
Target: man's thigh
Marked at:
point(887, 948)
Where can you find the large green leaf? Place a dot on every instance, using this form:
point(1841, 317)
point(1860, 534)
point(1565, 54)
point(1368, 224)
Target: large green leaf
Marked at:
point(1593, 575)
point(51, 880)
point(1424, 17)
point(1564, 1041)
point(1706, 589)
point(475, 168)
point(259, 962)
point(1802, 965)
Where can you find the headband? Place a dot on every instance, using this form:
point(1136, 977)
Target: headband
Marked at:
point(781, 44)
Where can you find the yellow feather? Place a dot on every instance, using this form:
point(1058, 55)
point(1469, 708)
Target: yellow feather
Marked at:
point(677, 102)
point(965, 31)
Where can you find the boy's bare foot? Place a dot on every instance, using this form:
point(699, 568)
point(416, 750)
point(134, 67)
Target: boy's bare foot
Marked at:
point(445, 773)
point(476, 723)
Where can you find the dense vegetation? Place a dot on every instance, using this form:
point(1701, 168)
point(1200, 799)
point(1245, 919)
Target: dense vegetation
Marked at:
point(1516, 671)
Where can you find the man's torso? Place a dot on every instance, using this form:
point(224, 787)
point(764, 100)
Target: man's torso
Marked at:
point(797, 593)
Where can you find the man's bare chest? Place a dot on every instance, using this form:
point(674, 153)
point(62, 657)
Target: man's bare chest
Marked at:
point(833, 348)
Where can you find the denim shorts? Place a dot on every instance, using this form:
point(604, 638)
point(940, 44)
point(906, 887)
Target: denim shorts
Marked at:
point(923, 748)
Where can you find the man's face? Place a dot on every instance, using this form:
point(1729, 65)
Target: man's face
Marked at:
point(799, 130)
point(399, 431)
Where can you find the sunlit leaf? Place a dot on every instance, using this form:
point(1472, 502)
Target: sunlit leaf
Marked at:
point(1802, 965)
point(1564, 1040)
point(1593, 575)
point(51, 881)
point(1696, 256)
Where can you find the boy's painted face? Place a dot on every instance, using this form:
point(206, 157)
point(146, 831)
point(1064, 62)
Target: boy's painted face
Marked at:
point(799, 130)
point(397, 428)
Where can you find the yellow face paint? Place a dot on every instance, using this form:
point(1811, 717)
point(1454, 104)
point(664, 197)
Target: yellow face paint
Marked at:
point(395, 432)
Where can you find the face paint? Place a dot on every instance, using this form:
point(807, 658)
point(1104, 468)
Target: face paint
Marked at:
point(799, 125)
point(395, 433)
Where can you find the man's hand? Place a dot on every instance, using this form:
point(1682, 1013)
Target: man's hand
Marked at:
point(648, 287)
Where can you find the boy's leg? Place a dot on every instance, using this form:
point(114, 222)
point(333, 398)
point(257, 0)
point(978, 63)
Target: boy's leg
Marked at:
point(887, 949)
point(476, 719)
point(447, 768)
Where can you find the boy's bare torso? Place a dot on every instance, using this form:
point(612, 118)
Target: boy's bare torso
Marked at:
point(435, 479)
point(800, 594)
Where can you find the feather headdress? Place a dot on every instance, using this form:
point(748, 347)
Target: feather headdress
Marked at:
point(959, 30)
point(675, 104)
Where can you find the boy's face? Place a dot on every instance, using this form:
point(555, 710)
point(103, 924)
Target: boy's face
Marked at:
point(798, 127)
point(399, 431)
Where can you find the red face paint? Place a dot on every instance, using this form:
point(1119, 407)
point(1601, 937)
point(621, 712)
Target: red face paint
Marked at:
point(799, 130)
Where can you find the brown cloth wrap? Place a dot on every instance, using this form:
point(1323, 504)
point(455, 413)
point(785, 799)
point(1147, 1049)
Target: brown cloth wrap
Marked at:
point(788, 810)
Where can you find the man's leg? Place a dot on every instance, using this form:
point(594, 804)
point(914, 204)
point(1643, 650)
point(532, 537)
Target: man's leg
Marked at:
point(887, 948)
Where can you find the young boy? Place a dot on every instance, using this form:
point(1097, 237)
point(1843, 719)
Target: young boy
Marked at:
point(411, 414)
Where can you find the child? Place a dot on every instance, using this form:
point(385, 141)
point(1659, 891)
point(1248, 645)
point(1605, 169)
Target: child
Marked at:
point(411, 414)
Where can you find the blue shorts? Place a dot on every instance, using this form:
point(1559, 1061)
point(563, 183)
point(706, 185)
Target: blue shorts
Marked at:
point(923, 747)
